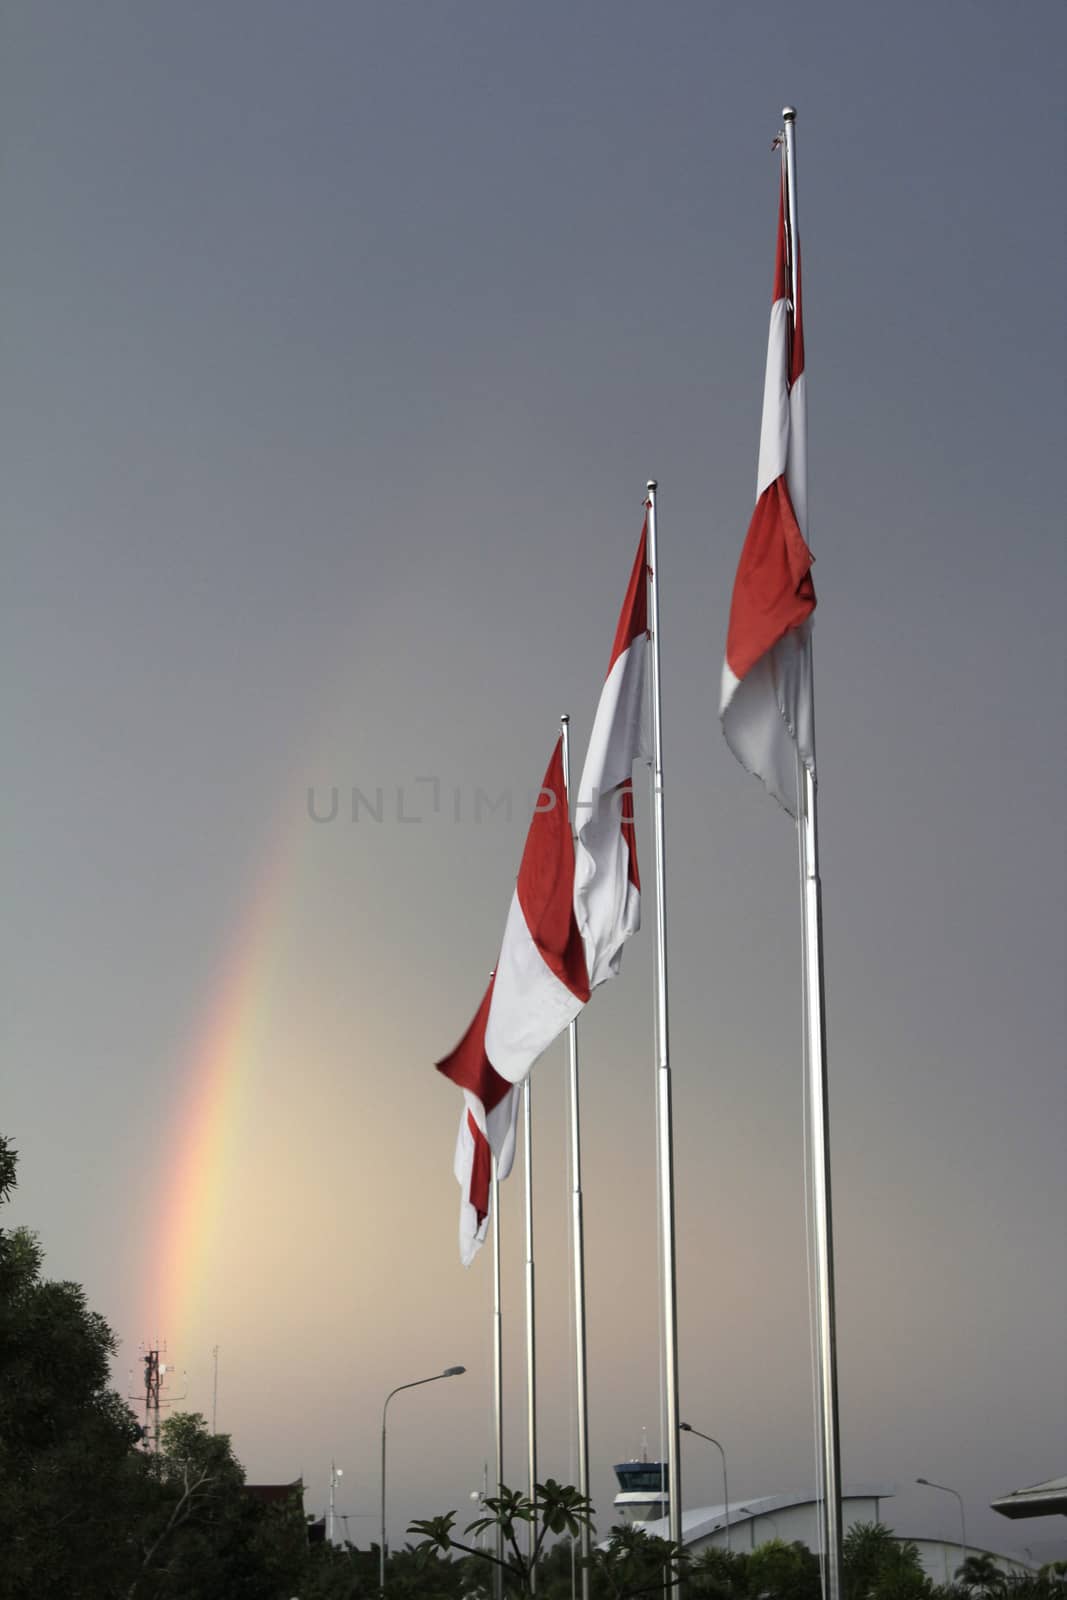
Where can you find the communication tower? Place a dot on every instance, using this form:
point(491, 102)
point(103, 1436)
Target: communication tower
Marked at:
point(154, 1396)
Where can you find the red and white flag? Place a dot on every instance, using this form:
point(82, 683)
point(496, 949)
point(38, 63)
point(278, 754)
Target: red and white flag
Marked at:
point(766, 705)
point(607, 885)
point(567, 923)
point(539, 986)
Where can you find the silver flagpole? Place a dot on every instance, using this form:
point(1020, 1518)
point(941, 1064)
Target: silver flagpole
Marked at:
point(664, 1127)
point(816, 1077)
point(531, 1332)
point(578, 1241)
point(498, 1376)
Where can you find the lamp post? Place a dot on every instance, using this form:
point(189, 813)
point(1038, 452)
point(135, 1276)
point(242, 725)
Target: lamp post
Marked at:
point(963, 1522)
point(449, 1372)
point(335, 1473)
point(687, 1428)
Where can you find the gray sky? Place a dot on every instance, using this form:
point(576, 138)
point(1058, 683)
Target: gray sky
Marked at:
point(339, 341)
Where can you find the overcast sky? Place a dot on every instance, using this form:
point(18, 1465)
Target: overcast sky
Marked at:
point(339, 342)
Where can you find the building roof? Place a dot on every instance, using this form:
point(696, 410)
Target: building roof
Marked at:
point(272, 1492)
point(1047, 1499)
point(941, 1557)
point(704, 1520)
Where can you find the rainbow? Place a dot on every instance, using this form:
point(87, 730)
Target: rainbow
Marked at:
point(219, 1070)
point(219, 1076)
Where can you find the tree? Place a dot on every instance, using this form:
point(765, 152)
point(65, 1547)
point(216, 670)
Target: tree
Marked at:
point(632, 1565)
point(554, 1509)
point(87, 1515)
point(206, 1536)
point(636, 1563)
point(72, 1484)
point(719, 1573)
point(420, 1573)
point(784, 1571)
point(979, 1572)
point(879, 1566)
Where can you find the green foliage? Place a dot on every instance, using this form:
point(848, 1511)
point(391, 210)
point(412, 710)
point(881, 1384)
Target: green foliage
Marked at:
point(205, 1536)
point(436, 1532)
point(635, 1563)
point(1046, 1584)
point(979, 1574)
point(8, 1164)
point(71, 1482)
point(555, 1509)
point(867, 1548)
point(786, 1571)
point(87, 1515)
point(558, 1576)
point(720, 1573)
point(879, 1566)
point(422, 1574)
point(876, 1566)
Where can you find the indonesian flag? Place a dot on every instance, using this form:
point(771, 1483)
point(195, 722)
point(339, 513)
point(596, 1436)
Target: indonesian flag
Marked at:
point(567, 923)
point(766, 706)
point(539, 987)
point(607, 886)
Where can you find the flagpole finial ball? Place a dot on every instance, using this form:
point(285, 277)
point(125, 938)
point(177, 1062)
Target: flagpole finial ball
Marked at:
point(789, 113)
point(565, 717)
point(651, 484)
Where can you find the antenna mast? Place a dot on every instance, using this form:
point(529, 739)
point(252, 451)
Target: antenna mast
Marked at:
point(155, 1372)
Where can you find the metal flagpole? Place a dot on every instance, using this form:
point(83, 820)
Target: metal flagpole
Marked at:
point(816, 1077)
point(531, 1347)
point(498, 1377)
point(578, 1242)
point(664, 1127)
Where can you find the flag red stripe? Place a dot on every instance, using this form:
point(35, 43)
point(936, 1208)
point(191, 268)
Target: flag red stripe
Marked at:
point(469, 1067)
point(796, 344)
point(773, 591)
point(626, 823)
point(546, 884)
point(783, 290)
point(481, 1170)
point(633, 619)
point(781, 287)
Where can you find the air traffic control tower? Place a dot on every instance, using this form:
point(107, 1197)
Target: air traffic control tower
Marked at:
point(644, 1491)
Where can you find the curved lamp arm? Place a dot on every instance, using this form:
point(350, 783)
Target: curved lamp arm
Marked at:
point(449, 1372)
point(929, 1484)
point(688, 1428)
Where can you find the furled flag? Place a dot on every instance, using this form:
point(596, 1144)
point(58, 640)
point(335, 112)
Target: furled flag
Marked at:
point(766, 706)
point(607, 886)
point(539, 986)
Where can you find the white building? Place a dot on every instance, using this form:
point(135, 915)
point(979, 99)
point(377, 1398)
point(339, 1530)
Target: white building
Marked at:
point(941, 1557)
point(793, 1518)
point(789, 1517)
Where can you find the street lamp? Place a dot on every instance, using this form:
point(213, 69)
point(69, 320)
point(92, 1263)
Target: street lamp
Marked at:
point(687, 1428)
point(963, 1524)
point(449, 1372)
point(335, 1473)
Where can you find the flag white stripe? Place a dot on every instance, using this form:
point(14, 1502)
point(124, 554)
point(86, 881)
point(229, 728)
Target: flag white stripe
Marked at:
point(530, 1006)
point(606, 902)
point(774, 428)
point(499, 1131)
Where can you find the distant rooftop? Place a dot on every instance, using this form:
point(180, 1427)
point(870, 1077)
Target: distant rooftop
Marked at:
point(274, 1492)
point(1047, 1499)
point(704, 1520)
